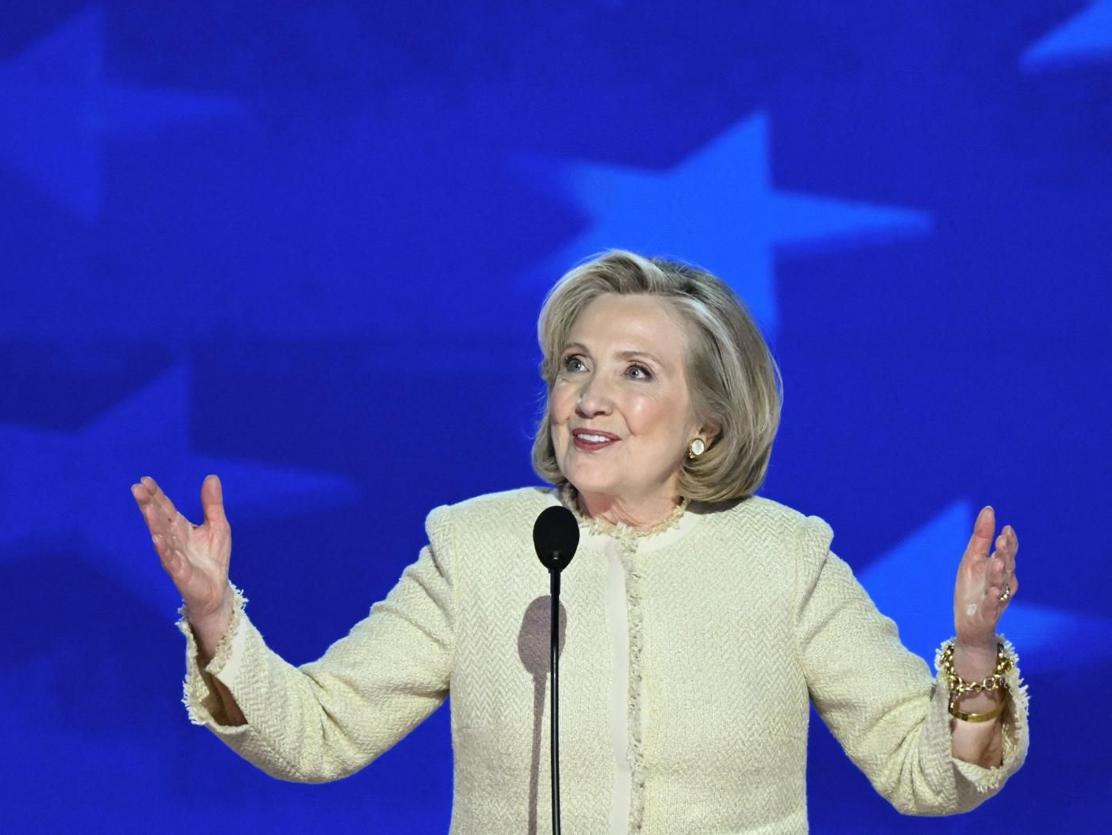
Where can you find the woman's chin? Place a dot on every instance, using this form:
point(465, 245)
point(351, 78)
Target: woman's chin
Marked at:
point(586, 481)
point(596, 487)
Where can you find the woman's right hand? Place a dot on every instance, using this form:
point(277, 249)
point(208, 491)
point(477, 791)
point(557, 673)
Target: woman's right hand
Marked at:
point(195, 556)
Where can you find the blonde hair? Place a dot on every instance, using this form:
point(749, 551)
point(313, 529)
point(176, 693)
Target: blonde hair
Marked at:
point(735, 383)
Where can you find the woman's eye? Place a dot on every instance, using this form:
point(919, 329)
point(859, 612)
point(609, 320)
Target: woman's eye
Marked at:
point(573, 363)
point(639, 372)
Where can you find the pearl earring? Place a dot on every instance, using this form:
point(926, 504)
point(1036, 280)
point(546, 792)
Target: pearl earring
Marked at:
point(696, 448)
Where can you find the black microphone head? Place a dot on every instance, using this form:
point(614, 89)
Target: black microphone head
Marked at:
point(555, 536)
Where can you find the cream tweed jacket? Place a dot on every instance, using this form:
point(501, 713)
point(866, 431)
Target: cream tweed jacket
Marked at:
point(735, 627)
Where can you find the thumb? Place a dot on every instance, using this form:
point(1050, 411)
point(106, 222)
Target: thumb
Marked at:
point(212, 500)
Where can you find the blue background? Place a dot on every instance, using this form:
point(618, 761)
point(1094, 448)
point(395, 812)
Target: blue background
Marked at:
point(305, 248)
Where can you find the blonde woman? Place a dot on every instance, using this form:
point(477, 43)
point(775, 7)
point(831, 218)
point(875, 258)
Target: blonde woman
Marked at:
point(702, 619)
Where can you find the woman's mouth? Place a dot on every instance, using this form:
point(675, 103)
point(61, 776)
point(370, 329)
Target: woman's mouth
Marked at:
point(591, 441)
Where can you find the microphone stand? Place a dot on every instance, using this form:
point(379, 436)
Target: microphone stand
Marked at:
point(554, 713)
point(555, 537)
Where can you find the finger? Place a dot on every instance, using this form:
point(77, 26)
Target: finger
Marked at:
point(175, 528)
point(999, 579)
point(165, 553)
point(997, 572)
point(212, 500)
point(139, 493)
point(143, 500)
point(1012, 546)
point(143, 494)
point(983, 529)
point(159, 500)
point(162, 519)
point(999, 594)
point(154, 516)
point(173, 563)
point(172, 517)
point(993, 606)
point(1006, 547)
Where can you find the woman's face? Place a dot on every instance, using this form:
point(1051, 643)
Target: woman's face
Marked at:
point(621, 412)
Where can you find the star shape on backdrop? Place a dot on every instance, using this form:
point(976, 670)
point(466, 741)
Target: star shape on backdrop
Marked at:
point(1085, 37)
point(720, 209)
point(73, 489)
point(914, 585)
point(57, 108)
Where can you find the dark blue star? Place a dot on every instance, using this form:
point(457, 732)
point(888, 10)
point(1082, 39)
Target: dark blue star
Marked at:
point(57, 108)
point(720, 208)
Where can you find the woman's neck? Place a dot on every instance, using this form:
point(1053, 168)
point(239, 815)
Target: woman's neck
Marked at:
point(642, 515)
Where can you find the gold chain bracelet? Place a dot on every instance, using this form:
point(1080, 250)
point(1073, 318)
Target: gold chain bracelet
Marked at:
point(959, 687)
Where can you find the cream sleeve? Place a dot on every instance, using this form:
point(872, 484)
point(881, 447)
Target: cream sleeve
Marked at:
point(327, 719)
point(880, 700)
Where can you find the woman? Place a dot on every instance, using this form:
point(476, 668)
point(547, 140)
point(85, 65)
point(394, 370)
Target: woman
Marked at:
point(701, 619)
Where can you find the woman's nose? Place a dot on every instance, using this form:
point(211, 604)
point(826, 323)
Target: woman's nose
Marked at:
point(594, 399)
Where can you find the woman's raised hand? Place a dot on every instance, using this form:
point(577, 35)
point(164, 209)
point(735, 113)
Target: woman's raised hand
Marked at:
point(195, 556)
point(985, 584)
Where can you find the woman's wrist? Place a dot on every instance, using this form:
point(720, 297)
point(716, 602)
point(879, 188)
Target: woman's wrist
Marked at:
point(210, 628)
point(975, 660)
point(976, 679)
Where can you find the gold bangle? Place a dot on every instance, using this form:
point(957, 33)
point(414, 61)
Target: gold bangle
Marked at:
point(978, 717)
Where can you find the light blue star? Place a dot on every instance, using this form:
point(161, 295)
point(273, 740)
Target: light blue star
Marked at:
point(1087, 36)
point(720, 209)
point(71, 491)
point(914, 585)
point(56, 108)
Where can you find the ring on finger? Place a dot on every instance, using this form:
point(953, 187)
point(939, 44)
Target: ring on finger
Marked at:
point(1006, 594)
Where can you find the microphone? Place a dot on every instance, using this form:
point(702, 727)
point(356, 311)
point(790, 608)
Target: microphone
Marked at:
point(555, 538)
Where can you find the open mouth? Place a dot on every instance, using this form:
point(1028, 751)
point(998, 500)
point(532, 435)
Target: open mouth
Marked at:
point(590, 440)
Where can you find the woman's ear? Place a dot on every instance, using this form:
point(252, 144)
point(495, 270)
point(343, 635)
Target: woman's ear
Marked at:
point(710, 431)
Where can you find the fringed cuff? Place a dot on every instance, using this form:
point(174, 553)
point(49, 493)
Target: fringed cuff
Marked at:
point(198, 692)
point(1013, 723)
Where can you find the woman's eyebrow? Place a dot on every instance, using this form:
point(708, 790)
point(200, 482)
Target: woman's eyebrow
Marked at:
point(578, 346)
point(637, 354)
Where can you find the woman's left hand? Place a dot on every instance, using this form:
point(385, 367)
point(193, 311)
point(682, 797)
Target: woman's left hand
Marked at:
point(985, 583)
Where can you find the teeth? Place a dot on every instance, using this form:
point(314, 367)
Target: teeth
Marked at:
point(592, 439)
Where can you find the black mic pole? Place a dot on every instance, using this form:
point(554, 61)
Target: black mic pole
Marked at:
point(554, 726)
point(555, 537)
